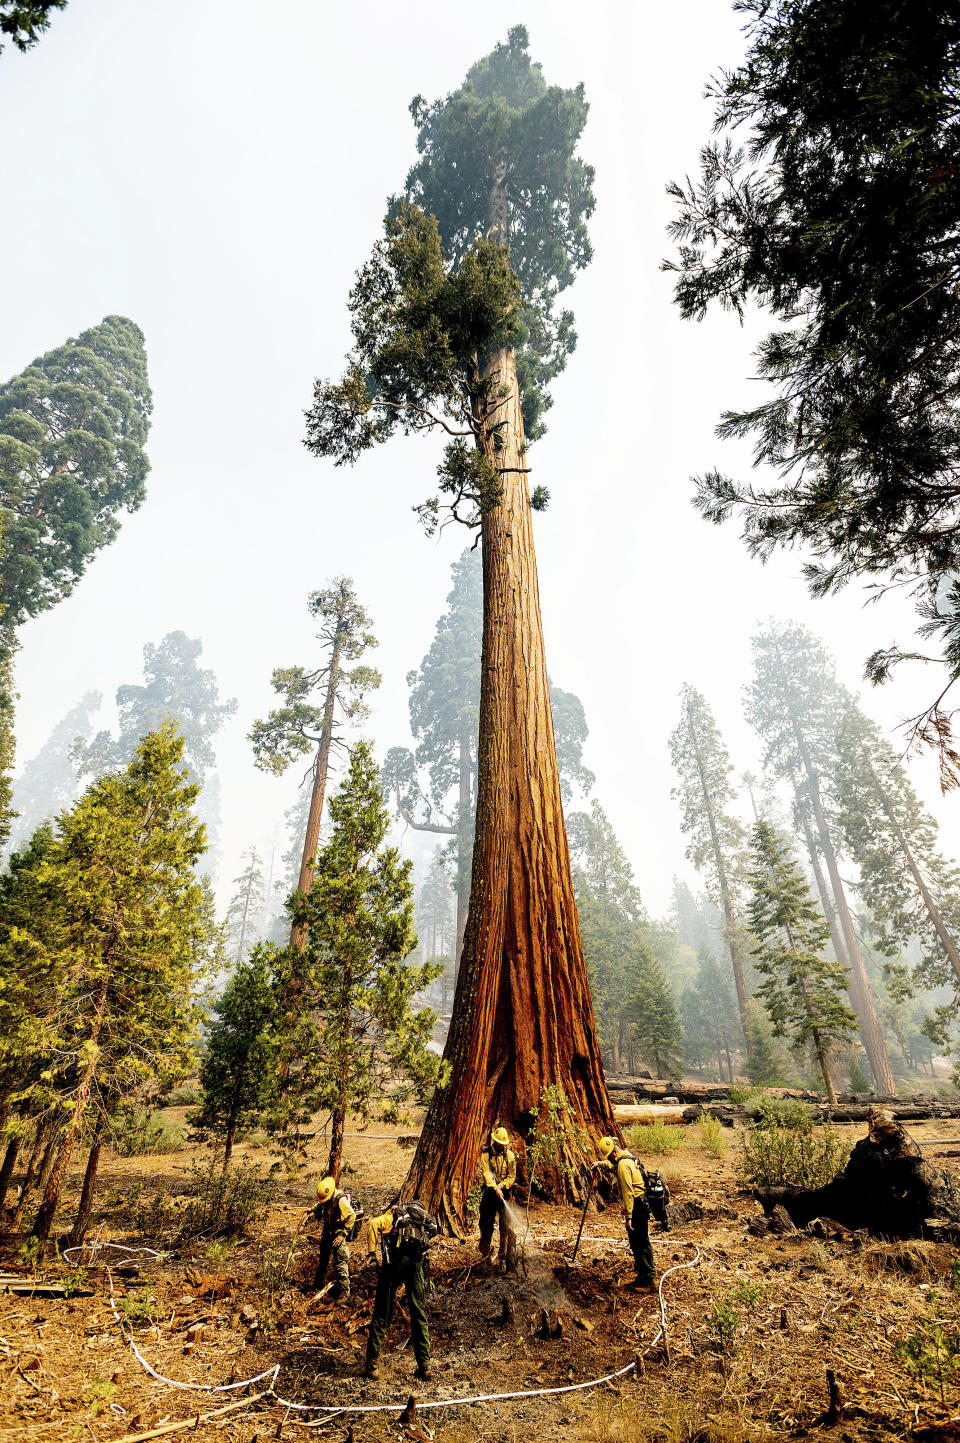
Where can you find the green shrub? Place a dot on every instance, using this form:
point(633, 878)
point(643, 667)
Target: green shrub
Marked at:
point(713, 1138)
point(931, 1354)
point(135, 1131)
point(657, 1137)
point(185, 1096)
point(791, 1153)
point(740, 1096)
point(225, 1205)
point(724, 1323)
point(783, 1112)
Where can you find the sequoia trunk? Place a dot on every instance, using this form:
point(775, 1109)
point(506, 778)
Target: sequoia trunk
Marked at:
point(78, 1231)
point(522, 1013)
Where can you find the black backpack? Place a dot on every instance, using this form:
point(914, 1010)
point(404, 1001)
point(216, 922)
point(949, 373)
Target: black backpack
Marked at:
point(412, 1232)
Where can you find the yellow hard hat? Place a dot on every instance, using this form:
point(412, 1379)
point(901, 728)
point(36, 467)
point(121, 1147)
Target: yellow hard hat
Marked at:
point(606, 1146)
point(326, 1188)
point(500, 1136)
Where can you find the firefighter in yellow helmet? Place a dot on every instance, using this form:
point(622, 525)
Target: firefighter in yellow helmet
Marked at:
point(636, 1210)
point(335, 1211)
point(498, 1168)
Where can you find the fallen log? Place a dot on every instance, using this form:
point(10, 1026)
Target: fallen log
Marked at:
point(652, 1112)
point(886, 1187)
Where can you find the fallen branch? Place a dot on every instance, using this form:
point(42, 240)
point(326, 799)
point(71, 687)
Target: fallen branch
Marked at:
point(192, 1422)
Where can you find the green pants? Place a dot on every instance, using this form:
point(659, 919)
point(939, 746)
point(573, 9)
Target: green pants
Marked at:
point(410, 1273)
point(639, 1237)
point(337, 1245)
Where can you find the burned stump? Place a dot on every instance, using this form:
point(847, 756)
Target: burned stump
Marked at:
point(886, 1187)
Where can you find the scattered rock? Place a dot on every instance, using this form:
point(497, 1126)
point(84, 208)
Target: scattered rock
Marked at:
point(684, 1212)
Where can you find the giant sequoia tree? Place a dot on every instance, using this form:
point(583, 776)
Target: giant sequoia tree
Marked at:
point(794, 703)
point(831, 199)
point(436, 786)
point(49, 780)
point(72, 431)
point(455, 327)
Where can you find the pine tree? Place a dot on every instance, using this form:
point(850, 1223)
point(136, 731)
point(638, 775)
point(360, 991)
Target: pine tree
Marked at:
point(246, 905)
point(300, 727)
point(237, 1071)
point(794, 703)
point(655, 1023)
point(710, 1017)
point(909, 887)
point(829, 200)
point(131, 943)
point(355, 1042)
point(717, 838)
point(462, 334)
point(444, 716)
point(49, 781)
point(802, 989)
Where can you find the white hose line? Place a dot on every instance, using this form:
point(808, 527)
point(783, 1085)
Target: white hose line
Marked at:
point(367, 1407)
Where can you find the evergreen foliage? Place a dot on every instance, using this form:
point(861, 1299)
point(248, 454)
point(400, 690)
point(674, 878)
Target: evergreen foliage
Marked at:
point(237, 1071)
point(354, 1040)
point(802, 989)
point(624, 950)
point(24, 21)
point(49, 782)
point(106, 921)
point(296, 728)
point(246, 905)
point(709, 1017)
point(717, 839)
point(829, 198)
point(73, 426)
point(174, 689)
point(441, 291)
point(910, 889)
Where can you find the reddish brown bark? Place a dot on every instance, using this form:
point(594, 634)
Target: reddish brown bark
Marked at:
point(6, 1169)
point(522, 1013)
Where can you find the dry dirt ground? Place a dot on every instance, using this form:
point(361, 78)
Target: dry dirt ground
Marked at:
point(751, 1330)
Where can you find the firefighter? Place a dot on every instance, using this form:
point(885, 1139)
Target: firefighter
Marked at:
point(498, 1167)
point(338, 1216)
point(404, 1232)
point(636, 1210)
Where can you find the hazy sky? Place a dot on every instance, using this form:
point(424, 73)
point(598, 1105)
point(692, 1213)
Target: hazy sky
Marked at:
point(217, 170)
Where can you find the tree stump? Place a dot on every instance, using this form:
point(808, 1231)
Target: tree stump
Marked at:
point(886, 1187)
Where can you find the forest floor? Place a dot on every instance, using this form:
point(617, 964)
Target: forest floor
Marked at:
point(751, 1330)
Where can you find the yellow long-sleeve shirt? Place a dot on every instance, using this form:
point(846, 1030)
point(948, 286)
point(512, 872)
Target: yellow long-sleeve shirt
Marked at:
point(499, 1169)
point(337, 1215)
point(376, 1229)
point(629, 1179)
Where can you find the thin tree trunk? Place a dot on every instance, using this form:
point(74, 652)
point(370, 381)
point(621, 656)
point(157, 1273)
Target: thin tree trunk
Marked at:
point(6, 1169)
point(726, 897)
point(228, 1148)
point(933, 911)
point(522, 1014)
point(861, 994)
point(78, 1231)
point(298, 933)
point(26, 1187)
point(338, 1120)
point(829, 912)
point(49, 1156)
point(824, 1063)
point(53, 1187)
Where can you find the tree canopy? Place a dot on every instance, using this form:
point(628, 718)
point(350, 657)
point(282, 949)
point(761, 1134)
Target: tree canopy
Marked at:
point(73, 427)
point(24, 21)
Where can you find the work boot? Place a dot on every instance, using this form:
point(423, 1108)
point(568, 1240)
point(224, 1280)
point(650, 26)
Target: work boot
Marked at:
point(369, 1370)
point(423, 1374)
point(485, 1250)
point(639, 1286)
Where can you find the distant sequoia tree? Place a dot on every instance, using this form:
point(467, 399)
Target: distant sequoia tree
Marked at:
point(73, 427)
